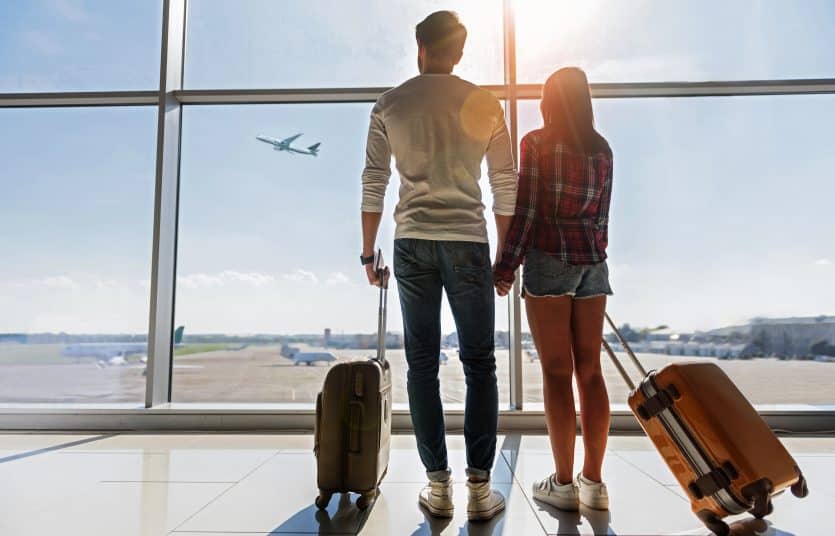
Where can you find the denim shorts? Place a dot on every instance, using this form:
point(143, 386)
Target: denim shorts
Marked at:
point(547, 275)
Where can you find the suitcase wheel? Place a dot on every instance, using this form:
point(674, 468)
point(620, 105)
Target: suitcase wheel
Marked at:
point(365, 500)
point(714, 523)
point(800, 488)
point(323, 500)
point(769, 509)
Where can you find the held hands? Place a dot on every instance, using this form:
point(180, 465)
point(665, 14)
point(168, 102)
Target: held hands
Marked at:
point(502, 287)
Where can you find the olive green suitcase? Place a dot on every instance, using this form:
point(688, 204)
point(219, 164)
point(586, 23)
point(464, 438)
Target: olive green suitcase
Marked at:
point(353, 420)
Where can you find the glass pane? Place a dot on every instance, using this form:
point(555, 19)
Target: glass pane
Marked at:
point(269, 256)
point(722, 230)
point(79, 45)
point(76, 222)
point(328, 43)
point(655, 40)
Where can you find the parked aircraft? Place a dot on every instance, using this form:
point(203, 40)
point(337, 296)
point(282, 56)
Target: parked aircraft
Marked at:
point(287, 145)
point(115, 354)
point(305, 358)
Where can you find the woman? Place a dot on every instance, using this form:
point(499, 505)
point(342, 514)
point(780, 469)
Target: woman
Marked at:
point(560, 230)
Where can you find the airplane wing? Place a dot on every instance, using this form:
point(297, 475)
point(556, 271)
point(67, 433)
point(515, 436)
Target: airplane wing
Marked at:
point(291, 139)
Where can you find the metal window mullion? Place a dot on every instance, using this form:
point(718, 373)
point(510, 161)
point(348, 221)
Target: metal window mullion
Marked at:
point(79, 99)
point(697, 89)
point(514, 302)
point(166, 204)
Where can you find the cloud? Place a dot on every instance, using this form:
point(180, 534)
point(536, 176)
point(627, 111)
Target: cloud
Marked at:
point(106, 284)
point(823, 262)
point(59, 282)
point(71, 10)
point(200, 281)
point(338, 278)
point(226, 277)
point(255, 279)
point(301, 275)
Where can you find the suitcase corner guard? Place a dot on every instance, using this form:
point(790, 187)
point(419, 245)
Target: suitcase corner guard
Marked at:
point(662, 400)
point(718, 478)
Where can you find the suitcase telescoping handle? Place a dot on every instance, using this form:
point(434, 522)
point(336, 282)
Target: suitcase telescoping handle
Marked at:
point(383, 275)
point(629, 352)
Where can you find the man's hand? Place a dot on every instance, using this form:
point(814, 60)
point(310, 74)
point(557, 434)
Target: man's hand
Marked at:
point(374, 278)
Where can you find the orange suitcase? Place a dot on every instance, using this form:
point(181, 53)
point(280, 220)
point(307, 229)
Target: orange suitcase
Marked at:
point(720, 450)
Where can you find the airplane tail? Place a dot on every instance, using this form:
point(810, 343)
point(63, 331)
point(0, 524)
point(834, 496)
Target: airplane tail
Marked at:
point(178, 335)
point(314, 149)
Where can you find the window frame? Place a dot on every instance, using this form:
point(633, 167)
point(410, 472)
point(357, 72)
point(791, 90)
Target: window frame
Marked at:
point(158, 412)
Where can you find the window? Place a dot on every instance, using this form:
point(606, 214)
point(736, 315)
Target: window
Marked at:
point(79, 45)
point(328, 43)
point(76, 218)
point(269, 257)
point(651, 40)
point(721, 216)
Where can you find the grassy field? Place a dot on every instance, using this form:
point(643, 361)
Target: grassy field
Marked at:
point(198, 349)
point(31, 353)
point(216, 373)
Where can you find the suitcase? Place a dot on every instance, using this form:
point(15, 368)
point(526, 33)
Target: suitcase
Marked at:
point(720, 450)
point(353, 419)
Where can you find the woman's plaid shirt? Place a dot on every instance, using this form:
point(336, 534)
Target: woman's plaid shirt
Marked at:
point(562, 205)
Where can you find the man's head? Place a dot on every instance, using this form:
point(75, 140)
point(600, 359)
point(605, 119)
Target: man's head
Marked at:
point(440, 39)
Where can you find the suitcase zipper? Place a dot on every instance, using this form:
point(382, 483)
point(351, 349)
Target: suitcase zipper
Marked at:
point(691, 449)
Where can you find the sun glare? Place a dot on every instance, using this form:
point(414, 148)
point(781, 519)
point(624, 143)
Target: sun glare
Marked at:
point(543, 23)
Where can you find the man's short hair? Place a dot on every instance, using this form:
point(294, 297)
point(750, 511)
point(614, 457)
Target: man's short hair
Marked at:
point(443, 35)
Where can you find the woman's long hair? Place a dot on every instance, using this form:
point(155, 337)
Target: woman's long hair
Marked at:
point(567, 111)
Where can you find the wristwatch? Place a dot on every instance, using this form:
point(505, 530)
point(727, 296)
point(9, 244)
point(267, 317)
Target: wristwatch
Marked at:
point(366, 260)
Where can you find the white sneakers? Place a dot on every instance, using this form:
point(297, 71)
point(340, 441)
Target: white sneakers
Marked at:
point(562, 496)
point(569, 496)
point(593, 494)
point(436, 497)
point(483, 502)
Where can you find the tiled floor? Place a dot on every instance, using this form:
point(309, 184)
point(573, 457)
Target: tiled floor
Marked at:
point(61, 485)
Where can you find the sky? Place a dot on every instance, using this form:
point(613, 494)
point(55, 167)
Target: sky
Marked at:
point(721, 211)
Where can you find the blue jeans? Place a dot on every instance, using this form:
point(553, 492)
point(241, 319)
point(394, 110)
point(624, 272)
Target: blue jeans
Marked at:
point(423, 268)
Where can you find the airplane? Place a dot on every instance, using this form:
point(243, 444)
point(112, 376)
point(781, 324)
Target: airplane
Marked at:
point(286, 145)
point(115, 354)
point(443, 358)
point(307, 358)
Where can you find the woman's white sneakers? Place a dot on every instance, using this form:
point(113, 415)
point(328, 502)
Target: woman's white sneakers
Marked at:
point(593, 494)
point(562, 496)
point(569, 496)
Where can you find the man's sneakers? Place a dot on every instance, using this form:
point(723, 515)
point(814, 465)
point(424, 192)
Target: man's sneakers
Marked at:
point(562, 496)
point(436, 497)
point(569, 496)
point(593, 494)
point(484, 502)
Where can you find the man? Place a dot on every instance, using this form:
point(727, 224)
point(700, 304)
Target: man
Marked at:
point(439, 128)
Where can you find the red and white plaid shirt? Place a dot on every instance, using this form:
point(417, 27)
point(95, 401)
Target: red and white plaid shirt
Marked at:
point(562, 205)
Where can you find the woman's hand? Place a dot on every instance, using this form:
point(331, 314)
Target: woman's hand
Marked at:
point(502, 286)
